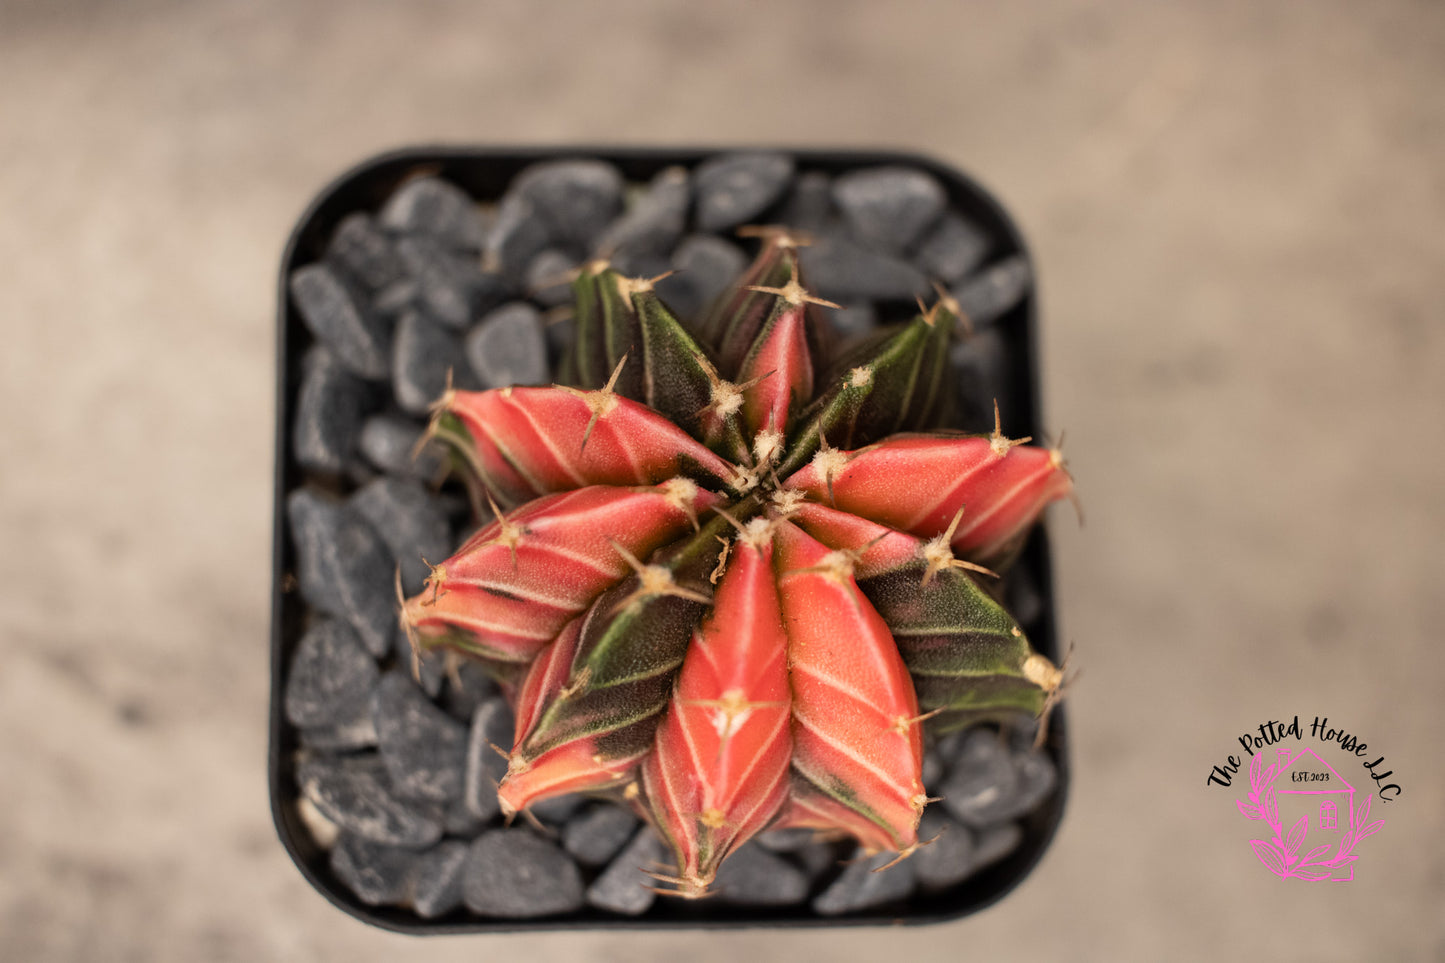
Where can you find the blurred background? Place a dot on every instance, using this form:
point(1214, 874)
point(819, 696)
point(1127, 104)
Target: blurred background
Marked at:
point(1236, 212)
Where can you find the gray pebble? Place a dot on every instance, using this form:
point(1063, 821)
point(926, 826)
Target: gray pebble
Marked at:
point(888, 208)
point(809, 206)
point(752, 876)
point(817, 860)
point(363, 253)
point(548, 278)
point(343, 567)
point(624, 886)
point(376, 873)
point(424, 749)
point(507, 347)
point(946, 857)
point(410, 520)
point(429, 672)
point(736, 188)
point(1025, 601)
point(433, 207)
point(390, 441)
point(706, 266)
point(854, 320)
point(513, 873)
point(787, 840)
point(933, 769)
point(981, 781)
point(461, 821)
point(843, 271)
point(355, 794)
point(575, 199)
point(356, 732)
point(331, 675)
point(991, 293)
point(396, 297)
point(330, 406)
point(952, 248)
point(561, 334)
point(654, 221)
point(641, 264)
point(995, 844)
point(859, 888)
point(451, 288)
point(491, 726)
point(980, 366)
point(437, 879)
point(558, 809)
point(596, 834)
point(359, 337)
point(424, 352)
point(517, 236)
point(467, 688)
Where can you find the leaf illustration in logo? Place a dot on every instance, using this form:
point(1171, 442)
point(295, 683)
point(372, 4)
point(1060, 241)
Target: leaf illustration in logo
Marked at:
point(1271, 807)
point(1362, 812)
point(1371, 829)
point(1268, 854)
point(1295, 838)
point(1256, 771)
point(1315, 853)
point(1248, 811)
point(1313, 874)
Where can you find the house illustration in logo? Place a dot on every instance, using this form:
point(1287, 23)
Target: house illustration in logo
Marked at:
point(1307, 786)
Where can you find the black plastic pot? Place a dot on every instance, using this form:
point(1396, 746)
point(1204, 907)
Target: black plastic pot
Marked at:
point(485, 174)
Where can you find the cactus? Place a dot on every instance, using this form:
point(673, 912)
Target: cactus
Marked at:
point(730, 579)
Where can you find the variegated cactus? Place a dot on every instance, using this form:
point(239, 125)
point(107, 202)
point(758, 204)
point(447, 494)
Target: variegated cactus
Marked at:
point(730, 577)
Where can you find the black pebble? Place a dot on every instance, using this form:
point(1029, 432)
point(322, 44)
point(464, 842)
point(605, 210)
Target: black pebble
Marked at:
point(809, 206)
point(389, 442)
point(363, 253)
point(706, 266)
point(437, 879)
point(376, 873)
point(330, 407)
point(575, 199)
point(507, 347)
point(858, 887)
point(331, 676)
point(355, 794)
point(845, 272)
point(596, 834)
point(952, 248)
point(752, 876)
point(435, 208)
point(410, 520)
point(548, 279)
point(517, 236)
point(343, 567)
point(513, 873)
point(359, 337)
point(735, 188)
point(889, 208)
point(654, 222)
point(425, 352)
point(946, 858)
point(624, 886)
point(491, 726)
point(424, 749)
point(990, 294)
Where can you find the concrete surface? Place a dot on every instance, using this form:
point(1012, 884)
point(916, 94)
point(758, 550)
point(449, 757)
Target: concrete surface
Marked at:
point(1237, 211)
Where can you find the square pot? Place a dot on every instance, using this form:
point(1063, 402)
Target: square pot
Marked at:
point(485, 173)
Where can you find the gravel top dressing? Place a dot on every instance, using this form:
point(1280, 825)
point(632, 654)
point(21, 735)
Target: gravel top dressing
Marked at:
point(389, 771)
